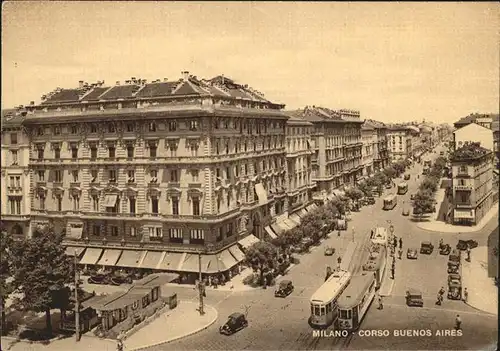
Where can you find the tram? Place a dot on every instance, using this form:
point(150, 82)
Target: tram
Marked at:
point(355, 301)
point(390, 202)
point(324, 308)
point(376, 263)
point(402, 188)
point(380, 236)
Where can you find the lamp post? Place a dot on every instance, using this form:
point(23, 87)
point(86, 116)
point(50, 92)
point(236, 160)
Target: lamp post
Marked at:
point(353, 234)
point(201, 285)
point(77, 302)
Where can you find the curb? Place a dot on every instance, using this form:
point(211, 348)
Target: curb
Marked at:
point(479, 310)
point(389, 292)
point(183, 335)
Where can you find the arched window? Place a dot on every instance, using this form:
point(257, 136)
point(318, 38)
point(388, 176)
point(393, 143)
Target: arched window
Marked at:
point(17, 230)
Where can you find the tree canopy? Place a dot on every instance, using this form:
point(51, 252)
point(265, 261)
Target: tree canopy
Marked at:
point(262, 257)
point(423, 202)
point(354, 194)
point(6, 286)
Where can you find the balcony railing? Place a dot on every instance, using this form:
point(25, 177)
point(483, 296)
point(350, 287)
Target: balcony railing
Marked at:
point(463, 187)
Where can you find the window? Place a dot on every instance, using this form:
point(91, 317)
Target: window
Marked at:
point(130, 151)
point(93, 128)
point(13, 154)
point(131, 176)
point(57, 130)
point(152, 149)
point(155, 294)
point(155, 232)
point(57, 153)
point(42, 202)
point(227, 147)
point(114, 230)
point(40, 153)
point(174, 175)
point(39, 131)
point(74, 174)
point(193, 125)
point(59, 203)
point(197, 236)
point(152, 127)
point(130, 127)
point(58, 176)
point(74, 152)
point(175, 235)
point(237, 147)
point(96, 230)
point(195, 175)
point(145, 301)
point(15, 204)
point(93, 152)
point(154, 205)
point(194, 149)
point(111, 128)
point(13, 138)
point(196, 206)
point(175, 205)
point(228, 200)
point(133, 231)
point(95, 203)
point(112, 176)
point(74, 130)
point(94, 173)
point(172, 126)
point(228, 172)
point(112, 151)
point(131, 204)
point(76, 203)
point(41, 176)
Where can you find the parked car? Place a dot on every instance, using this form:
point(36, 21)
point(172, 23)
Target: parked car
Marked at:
point(414, 298)
point(453, 267)
point(99, 278)
point(407, 177)
point(426, 247)
point(121, 278)
point(341, 224)
point(388, 186)
point(454, 277)
point(284, 289)
point(329, 251)
point(412, 254)
point(455, 290)
point(370, 200)
point(445, 249)
point(405, 212)
point(235, 322)
point(412, 197)
point(463, 244)
point(455, 256)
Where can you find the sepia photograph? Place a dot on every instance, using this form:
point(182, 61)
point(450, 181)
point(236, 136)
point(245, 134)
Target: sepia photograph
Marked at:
point(244, 175)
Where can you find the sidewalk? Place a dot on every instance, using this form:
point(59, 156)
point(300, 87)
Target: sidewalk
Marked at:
point(483, 293)
point(387, 282)
point(182, 321)
point(85, 344)
point(441, 227)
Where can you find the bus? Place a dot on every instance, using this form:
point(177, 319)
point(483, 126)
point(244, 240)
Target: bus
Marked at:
point(324, 308)
point(376, 262)
point(390, 202)
point(402, 188)
point(355, 301)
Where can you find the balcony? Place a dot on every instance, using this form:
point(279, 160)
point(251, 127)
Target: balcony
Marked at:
point(194, 186)
point(463, 187)
point(41, 184)
point(95, 184)
point(176, 185)
point(74, 184)
point(14, 189)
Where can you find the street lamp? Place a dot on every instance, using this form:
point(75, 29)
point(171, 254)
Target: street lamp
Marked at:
point(353, 234)
point(201, 284)
point(77, 302)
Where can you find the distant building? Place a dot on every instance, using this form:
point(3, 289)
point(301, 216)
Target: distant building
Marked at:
point(381, 155)
point(483, 119)
point(472, 183)
point(369, 138)
point(399, 142)
point(473, 133)
point(15, 185)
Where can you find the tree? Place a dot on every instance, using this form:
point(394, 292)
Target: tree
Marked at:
point(423, 203)
point(262, 256)
point(365, 188)
point(390, 172)
point(6, 286)
point(429, 183)
point(354, 194)
point(41, 268)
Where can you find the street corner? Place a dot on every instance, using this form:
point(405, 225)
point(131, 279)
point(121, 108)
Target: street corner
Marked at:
point(178, 323)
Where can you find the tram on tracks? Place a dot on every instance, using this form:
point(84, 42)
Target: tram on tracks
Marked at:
point(376, 262)
point(354, 302)
point(324, 308)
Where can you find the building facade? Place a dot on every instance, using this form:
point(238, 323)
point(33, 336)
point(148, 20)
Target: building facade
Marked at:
point(381, 156)
point(369, 139)
point(483, 119)
point(172, 167)
point(299, 160)
point(15, 186)
point(399, 142)
point(472, 181)
point(473, 133)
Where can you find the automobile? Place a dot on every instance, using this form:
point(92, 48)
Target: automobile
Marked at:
point(463, 244)
point(414, 298)
point(453, 267)
point(341, 224)
point(329, 251)
point(99, 278)
point(370, 200)
point(407, 177)
point(405, 212)
point(388, 186)
point(454, 277)
point(426, 247)
point(235, 322)
point(455, 256)
point(284, 289)
point(307, 241)
point(454, 290)
point(445, 249)
point(121, 278)
point(355, 207)
point(412, 197)
point(412, 254)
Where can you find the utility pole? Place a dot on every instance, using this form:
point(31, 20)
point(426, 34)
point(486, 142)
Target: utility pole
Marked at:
point(200, 286)
point(77, 302)
point(352, 234)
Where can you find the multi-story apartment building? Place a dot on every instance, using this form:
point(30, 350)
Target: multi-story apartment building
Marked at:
point(416, 142)
point(472, 175)
point(495, 126)
point(336, 142)
point(473, 133)
point(381, 157)
point(399, 142)
point(298, 157)
point(369, 139)
point(15, 186)
point(163, 170)
point(483, 119)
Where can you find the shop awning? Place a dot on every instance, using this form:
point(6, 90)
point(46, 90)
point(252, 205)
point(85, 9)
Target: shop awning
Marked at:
point(109, 257)
point(191, 264)
point(91, 256)
point(294, 218)
point(302, 213)
point(171, 261)
point(290, 224)
point(283, 226)
point(72, 251)
point(338, 193)
point(152, 259)
point(248, 241)
point(75, 233)
point(110, 200)
point(212, 264)
point(261, 193)
point(228, 259)
point(130, 258)
point(237, 253)
point(310, 208)
point(277, 229)
point(331, 197)
point(463, 214)
point(270, 232)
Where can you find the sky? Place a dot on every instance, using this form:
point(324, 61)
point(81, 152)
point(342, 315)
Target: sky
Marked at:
point(394, 62)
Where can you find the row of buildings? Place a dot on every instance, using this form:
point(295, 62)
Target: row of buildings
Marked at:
point(154, 174)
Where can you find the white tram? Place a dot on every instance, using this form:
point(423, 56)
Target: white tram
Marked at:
point(355, 301)
point(380, 236)
point(324, 309)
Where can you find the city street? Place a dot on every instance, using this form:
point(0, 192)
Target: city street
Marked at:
point(282, 323)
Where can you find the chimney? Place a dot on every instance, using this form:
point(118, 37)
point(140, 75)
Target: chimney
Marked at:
point(222, 76)
point(80, 84)
point(117, 82)
point(164, 79)
point(185, 75)
point(32, 103)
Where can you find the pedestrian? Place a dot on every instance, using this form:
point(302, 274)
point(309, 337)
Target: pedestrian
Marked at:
point(393, 271)
point(458, 322)
point(119, 346)
point(395, 242)
point(400, 243)
point(371, 235)
point(466, 295)
point(380, 303)
point(216, 282)
point(468, 253)
point(400, 253)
